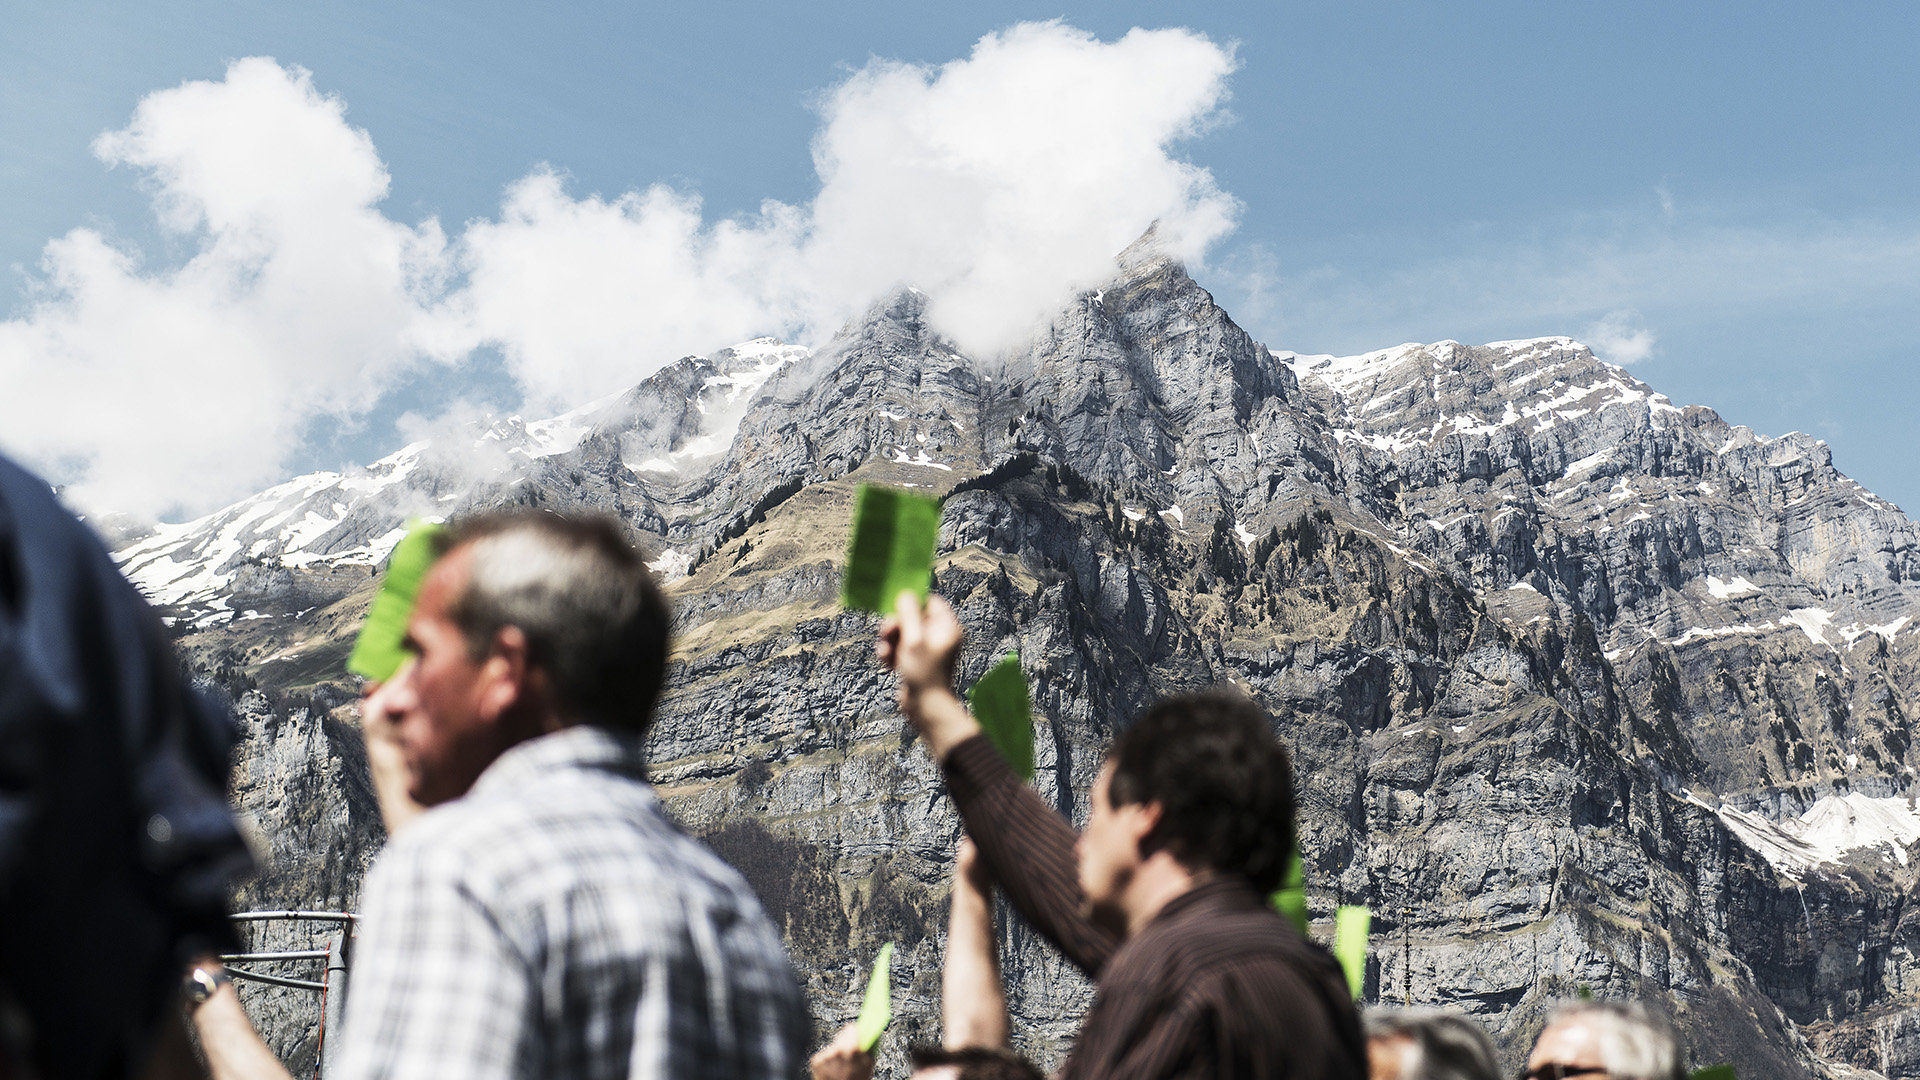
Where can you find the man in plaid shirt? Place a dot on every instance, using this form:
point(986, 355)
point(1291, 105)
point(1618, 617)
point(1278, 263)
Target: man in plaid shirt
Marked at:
point(544, 918)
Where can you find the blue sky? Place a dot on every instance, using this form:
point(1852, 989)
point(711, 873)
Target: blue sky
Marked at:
point(1726, 198)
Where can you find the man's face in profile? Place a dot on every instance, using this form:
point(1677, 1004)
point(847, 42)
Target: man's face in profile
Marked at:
point(444, 715)
point(1108, 850)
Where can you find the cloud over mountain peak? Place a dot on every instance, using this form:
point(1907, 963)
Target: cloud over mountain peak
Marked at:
point(999, 183)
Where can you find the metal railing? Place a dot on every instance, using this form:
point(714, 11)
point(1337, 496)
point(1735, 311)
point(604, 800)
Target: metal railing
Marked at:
point(336, 958)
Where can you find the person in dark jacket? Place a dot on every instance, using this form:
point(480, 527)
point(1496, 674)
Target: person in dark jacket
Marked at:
point(1163, 899)
point(117, 848)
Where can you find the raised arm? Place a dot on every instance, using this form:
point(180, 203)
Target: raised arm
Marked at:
point(973, 1006)
point(1024, 845)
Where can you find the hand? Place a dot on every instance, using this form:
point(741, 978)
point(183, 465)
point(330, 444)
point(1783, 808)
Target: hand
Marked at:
point(842, 1059)
point(922, 647)
point(969, 868)
point(229, 1045)
point(386, 760)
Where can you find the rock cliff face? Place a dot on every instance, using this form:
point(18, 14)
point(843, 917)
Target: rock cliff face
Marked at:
point(1584, 689)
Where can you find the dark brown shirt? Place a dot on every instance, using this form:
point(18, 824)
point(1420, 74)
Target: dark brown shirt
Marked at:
point(1217, 985)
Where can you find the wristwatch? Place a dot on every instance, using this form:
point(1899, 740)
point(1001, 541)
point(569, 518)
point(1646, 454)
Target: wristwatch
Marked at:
point(202, 982)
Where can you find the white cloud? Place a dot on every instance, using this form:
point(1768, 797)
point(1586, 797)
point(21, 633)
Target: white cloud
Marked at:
point(999, 184)
point(590, 295)
point(154, 389)
point(1617, 340)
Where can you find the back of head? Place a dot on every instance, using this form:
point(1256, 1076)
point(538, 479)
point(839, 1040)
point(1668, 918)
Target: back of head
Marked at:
point(594, 619)
point(974, 1063)
point(1223, 782)
point(1634, 1042)
point(1446, 1045)
point(118, 847)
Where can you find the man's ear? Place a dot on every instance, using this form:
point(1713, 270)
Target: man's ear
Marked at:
point(1142, 821)
point(505, 672)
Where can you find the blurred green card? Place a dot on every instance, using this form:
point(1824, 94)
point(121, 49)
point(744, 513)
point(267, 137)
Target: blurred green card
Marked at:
point(1291, 898)
point(1714, 1072)
point(894, 533)
point(877, 1010)
point(377, 652)
point(1350, 926)
point(999, 701)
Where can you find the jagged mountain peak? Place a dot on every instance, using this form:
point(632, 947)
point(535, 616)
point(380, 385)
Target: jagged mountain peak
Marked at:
point(344, 524)
point(1414, 394)
point(1149, 249)
point(1543, 433)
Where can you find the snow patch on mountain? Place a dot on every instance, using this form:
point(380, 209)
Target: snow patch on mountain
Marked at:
point(331, 520)
point(1833, 828)
point(191, 564)
point(723, 400)
point(922, 459)
point(1699, 633)
point(1726, 590)
point(1812, 621)
point(671, 565)
point(1546, 382)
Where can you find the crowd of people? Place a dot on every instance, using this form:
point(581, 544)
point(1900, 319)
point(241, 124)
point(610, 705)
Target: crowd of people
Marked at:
point(536, 913)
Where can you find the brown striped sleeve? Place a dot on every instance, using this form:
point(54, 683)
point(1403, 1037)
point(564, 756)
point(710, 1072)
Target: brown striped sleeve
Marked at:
point(1029, 849)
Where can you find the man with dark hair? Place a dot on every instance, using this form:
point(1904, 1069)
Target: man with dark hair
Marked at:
point(1162, 900)
point(544, 917)
point(1241, 814)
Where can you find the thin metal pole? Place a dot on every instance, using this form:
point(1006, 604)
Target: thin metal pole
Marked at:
point(323, 916)
point(296, 954)
point(297, 984)
point(334, 999)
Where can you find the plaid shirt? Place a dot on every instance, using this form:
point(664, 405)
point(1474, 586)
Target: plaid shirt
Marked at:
point(555, 923)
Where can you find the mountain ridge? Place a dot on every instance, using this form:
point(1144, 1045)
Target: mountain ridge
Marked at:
point(1554, 737)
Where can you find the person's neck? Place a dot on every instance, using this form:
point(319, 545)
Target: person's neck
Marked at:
point(1158, 881)
point(536, 718)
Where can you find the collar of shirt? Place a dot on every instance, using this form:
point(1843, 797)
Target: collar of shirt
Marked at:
point(1220, 891)
point(583, 747)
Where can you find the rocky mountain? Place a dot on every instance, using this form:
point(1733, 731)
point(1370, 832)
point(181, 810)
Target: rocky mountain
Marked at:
point(1585, 690)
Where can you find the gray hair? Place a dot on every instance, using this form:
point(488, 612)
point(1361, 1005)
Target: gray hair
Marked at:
point(595, 621)
point(1448, 1045)
point(1635, 1042)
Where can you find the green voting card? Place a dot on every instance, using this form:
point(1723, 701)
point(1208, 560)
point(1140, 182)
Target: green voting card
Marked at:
point(1291, 898)
point(877, 1010)
point(999, 702)
point(894, 533)
point(377, 653)
point(1714, 1072)
point(1350, 926)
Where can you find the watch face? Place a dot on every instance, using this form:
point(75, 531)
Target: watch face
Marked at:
point(203, 984)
